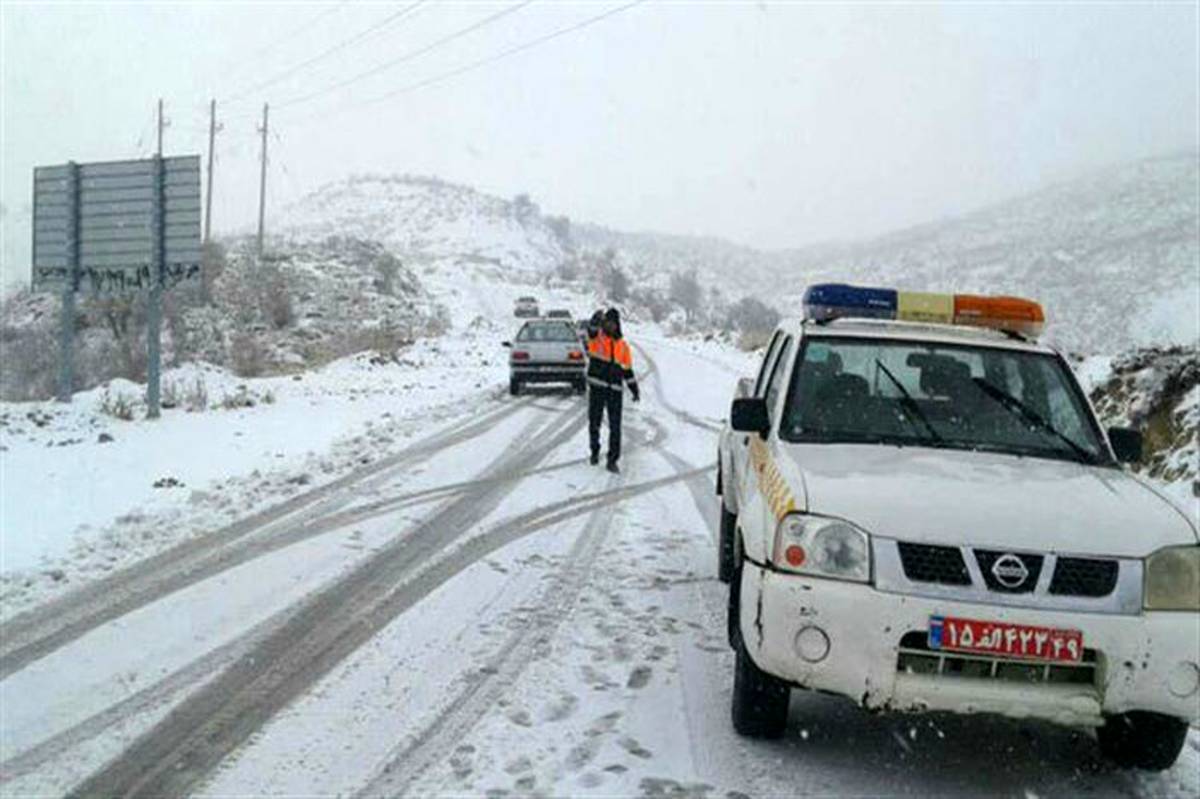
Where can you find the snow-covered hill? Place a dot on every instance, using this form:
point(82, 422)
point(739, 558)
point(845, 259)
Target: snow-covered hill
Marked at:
point(422, 218)
point(1113, 255)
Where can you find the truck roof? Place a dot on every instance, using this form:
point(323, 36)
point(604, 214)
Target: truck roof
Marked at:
point(914, 331)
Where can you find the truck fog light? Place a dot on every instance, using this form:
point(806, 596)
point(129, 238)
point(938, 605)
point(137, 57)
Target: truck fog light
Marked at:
point(812, 644)
point(1184, 680)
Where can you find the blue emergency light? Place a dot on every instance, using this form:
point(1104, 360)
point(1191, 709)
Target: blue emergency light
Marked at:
point(825, 301)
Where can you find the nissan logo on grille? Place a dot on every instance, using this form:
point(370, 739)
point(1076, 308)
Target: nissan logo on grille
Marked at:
point(1010, 571)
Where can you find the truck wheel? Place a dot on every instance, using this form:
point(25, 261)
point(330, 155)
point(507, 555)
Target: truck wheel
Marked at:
point(725, 539)
point(514, 387)
point(733, 610)
point(1140, 739)
point(760, 700)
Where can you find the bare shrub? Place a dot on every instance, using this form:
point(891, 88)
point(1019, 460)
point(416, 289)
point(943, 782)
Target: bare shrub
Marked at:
point(275, 299)
point(28, 360)
point(196, 397)
point(169, 397)
point(387, 267)
point(653, 301)
point(751, 315)
point(686, 291)
point(215, 261)
point(751, 340)
point(616, 283)
point(246, 355)
point(568, 270)
point(118, 405)
point(238, 399)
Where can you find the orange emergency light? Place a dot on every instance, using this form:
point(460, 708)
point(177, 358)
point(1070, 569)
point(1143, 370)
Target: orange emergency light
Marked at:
point(1015, 314)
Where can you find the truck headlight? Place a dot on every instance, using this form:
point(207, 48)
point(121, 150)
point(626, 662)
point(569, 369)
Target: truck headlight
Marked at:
point(823, 547)
point(1173, 579)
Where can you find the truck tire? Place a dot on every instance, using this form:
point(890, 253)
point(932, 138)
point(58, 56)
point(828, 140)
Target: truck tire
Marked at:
point(514, 386)
point(733, 609)
point(725, 540)
point(760, 700)
point(1140, 739)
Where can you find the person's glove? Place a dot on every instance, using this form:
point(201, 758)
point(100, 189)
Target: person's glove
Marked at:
point(636, 392)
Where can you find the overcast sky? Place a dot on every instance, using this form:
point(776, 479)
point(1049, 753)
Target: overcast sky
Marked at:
point(770, 124)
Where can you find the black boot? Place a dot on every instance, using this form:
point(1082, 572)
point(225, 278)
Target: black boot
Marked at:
point(595, 458)
point(612, 467)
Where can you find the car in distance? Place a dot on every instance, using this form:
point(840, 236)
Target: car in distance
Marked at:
point(559, 313)
point(526, 308)
point(920, 511)
point(546, 351)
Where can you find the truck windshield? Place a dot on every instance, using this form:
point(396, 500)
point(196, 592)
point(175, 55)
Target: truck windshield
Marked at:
point(851, 390)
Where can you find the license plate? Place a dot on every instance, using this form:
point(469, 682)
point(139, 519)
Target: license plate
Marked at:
point(1002, 639)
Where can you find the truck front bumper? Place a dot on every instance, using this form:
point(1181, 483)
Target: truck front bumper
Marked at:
point(850, 639)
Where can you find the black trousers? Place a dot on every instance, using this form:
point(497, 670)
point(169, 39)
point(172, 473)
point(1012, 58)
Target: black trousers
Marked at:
point(599, 400)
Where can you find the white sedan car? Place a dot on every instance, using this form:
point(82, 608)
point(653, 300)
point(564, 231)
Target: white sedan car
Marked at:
point(928, 517)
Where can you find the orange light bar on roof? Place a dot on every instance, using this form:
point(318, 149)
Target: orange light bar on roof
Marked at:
point(1000, 313)
point(824, 302)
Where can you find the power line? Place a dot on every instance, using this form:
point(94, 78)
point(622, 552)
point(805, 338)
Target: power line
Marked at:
point(482, 62)
point(406, 56)
point(287, 73)
point(241, 63)
point(304, 26)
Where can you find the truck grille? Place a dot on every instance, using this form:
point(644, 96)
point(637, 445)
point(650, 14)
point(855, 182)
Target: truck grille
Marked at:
point(915, 657)
point(1084, 577)
point(927, 563)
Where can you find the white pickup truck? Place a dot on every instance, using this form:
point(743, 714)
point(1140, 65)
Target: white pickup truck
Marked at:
point(928, 517)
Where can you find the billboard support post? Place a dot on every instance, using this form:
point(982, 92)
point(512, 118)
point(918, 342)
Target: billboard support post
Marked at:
point(66, 359)
point(154, 309)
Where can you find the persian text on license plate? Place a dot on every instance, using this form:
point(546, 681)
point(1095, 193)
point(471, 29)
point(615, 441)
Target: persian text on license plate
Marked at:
point(1005, 640)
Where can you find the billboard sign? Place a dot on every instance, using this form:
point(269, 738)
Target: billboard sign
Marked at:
point(103, 219)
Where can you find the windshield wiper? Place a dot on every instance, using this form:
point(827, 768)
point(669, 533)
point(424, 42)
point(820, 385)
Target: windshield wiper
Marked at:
point(913, 410)
point(1015, 406)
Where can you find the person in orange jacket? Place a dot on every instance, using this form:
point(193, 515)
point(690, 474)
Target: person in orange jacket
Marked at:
point(610, 370)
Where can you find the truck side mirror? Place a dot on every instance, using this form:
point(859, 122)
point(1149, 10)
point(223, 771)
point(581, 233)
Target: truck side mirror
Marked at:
point(1126, 444)
point(749, 415)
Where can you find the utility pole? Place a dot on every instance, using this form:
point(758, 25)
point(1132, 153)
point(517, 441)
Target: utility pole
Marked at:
point(161, 125)
point(262, 183)
point(212, 134)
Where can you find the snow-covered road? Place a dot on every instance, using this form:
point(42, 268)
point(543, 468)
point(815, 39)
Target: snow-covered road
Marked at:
point(479, 612)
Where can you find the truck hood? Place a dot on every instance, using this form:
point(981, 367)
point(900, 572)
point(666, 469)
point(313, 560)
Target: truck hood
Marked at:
point(958, 497)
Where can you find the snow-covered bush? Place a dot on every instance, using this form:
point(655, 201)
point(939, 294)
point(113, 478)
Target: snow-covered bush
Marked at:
point(1157, 390)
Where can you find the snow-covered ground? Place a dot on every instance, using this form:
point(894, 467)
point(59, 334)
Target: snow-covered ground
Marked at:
point(493, 617)
point(393, 578)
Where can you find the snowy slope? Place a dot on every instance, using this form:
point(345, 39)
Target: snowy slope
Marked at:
point(425, 218)
point(1113, 255)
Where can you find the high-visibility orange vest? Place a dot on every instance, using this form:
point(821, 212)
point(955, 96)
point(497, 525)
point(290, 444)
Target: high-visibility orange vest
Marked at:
point(610, 361)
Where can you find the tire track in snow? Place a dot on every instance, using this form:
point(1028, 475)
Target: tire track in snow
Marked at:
point(424, 583)
point(38, 632)
point(504, 668)
point(181, 751)
point(695, 421)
